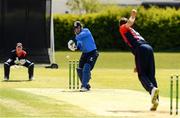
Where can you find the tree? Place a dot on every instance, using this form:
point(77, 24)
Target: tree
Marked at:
point(83, 6)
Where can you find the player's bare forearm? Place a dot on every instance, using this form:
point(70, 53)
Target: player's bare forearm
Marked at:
point(131, 18)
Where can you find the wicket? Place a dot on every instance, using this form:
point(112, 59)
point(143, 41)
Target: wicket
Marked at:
point(73, 76)
point(174, 79)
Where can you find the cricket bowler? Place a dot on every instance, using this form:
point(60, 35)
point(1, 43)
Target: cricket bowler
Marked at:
point(85, 43)
point(144, 57)
point(18, 57)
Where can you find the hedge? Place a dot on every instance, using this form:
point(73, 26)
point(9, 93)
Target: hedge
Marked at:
point(160, 27)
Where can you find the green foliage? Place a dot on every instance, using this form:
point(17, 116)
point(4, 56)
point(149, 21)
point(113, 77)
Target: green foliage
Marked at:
point(160, 27)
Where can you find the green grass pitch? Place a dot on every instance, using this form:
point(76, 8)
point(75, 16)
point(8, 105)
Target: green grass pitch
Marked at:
point(114, 70)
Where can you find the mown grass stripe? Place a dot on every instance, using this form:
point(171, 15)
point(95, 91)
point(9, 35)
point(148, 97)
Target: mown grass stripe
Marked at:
point(21, 108)
point(30, 105)
point(4, 110)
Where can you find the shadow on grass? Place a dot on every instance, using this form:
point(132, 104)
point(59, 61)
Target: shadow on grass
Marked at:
point(71, 91)
point(135, 111)
point(16, 81)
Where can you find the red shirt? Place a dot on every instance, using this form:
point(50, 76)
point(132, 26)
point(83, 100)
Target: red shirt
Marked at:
point(22, 54)
point(131, 37)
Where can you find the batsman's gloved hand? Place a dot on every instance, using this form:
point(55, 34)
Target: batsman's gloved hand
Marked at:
point(72, 46)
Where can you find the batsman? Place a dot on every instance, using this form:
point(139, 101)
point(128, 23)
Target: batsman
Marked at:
point(18, 57)
point(144, 57)
point(84, 42)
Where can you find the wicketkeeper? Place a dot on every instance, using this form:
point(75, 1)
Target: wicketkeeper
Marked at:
point(18, 57)
point(144, 57)
point(85, 43)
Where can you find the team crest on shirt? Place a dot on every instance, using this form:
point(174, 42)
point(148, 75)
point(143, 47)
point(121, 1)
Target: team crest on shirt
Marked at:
point(91, 59)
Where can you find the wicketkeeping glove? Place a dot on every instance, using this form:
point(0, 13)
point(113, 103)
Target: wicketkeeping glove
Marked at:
point(22, 61)
point(16, 61)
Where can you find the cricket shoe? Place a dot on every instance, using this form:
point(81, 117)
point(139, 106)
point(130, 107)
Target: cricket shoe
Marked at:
point(88, 86)
point(6, 79)
point(31, 78)
point(155, 105)
point(84, 89)
point(154, 95)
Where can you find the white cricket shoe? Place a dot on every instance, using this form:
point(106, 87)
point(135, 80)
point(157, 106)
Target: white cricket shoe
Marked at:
point(31, 79)
point(5, 79)
point(83, 89)
point(154, 95)
point(155, 105)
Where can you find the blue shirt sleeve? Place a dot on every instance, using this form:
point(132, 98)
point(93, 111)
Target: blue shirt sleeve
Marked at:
point(79, 39)
point(85, 41)
point(79, 45)
point(82, 35)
